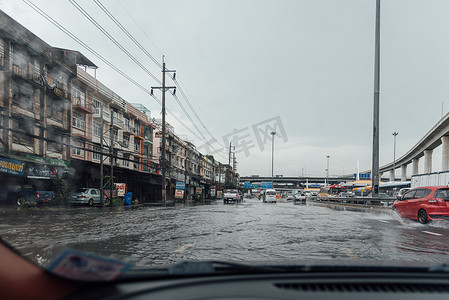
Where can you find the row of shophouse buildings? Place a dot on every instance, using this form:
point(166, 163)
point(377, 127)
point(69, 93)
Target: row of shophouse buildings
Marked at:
point(60, 126)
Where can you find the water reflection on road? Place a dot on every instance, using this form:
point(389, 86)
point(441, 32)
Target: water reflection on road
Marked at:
point(250, 231)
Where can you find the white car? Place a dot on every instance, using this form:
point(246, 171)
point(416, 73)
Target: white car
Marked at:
point(299, 198)
point(270, 195)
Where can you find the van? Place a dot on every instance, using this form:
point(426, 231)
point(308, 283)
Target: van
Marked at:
point(270, 195)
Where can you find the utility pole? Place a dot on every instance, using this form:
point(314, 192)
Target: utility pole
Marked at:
point(273, 133)
point(375, 165)
point(163, 162)
point(101, 156)
point(111, 153)
point(229, 162)
point(395, 134)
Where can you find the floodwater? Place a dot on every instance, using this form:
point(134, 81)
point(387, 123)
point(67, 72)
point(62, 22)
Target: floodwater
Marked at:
point(249, 231)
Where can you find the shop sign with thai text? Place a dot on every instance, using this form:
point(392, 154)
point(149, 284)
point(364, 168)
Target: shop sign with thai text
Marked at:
point(11, 166)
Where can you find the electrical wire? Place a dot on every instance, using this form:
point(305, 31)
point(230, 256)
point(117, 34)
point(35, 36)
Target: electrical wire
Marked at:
point(79, 41)
point(109, 14)
point(111, 38)
point(117, 22)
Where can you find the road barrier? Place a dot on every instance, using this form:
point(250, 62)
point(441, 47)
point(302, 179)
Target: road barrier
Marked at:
point(386, 202)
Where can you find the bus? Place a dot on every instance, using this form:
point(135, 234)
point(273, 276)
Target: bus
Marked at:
point(389, 188)
point(331, 190)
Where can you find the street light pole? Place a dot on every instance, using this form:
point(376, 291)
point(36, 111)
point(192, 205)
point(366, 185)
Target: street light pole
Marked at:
point(273, 133)
point(375, 162)
point(327, 170)
point(394, 154)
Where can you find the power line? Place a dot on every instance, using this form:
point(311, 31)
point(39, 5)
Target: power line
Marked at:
point(111, 38)
point(79, 41)
point(194, 111)
point(140, 28)
point(109, 14)
point(117, 22)
point(76, 39)
point(152, 58)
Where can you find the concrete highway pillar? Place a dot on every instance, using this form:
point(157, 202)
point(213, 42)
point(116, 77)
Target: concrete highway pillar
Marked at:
point(445, 153)
point(415, 164)
point(392, 175)
point(404, 173)
point(381, 174)
point(428, 161)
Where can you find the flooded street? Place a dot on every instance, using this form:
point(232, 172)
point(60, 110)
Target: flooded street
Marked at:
point(250, 231)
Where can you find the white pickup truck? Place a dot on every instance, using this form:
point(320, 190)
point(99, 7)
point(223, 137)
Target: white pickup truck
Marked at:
point(232, 196)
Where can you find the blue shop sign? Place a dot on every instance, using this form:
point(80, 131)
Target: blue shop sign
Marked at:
point(180, 185)
point(11, 166)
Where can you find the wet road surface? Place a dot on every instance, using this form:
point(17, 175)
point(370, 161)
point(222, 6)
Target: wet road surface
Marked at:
point(249, 231)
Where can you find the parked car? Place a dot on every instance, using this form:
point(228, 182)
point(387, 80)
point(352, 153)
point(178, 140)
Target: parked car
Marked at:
point(89, 196)
point(424, 204)
point(21, 194)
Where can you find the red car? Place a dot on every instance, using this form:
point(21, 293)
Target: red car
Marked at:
point(424, 204)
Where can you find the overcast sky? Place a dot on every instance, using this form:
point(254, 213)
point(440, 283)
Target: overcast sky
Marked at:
point(306, 67)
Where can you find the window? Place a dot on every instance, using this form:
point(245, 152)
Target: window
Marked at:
point(97, 129)
point(23, 97)
point(409, 195)
point(136, 145)
point(56, 143)
point(20, 59)
point(136, 127)
point(27, 127)
point(126, 160)
point(78, 97)
point(115, 131)
point(96, 155)
point(96, 103)
point(421, 193)
point(79, 120)
point(93, 192)
point(125, 141)
point(54, 110)
point(442, 194)
point(78, 148)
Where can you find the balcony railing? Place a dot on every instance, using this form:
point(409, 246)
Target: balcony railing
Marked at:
point(19, 72)
point(97, 114)
point(128, 129)
point(116, 122)
point(81, 104)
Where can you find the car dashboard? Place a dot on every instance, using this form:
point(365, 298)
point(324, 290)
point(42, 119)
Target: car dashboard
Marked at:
point(332, 285)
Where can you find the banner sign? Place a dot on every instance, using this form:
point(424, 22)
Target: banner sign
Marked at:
point(180, 185)
point(199, 190)
point(121, 189)
point(179, 194)
point(11, 166)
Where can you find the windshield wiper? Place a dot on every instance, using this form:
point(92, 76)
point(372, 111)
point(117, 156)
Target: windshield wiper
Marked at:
point(199, 268)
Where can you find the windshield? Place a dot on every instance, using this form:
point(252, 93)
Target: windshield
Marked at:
point(154, 110)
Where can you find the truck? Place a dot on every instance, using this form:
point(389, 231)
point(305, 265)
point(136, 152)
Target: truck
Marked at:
point(232, 196)
point(21, 194)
